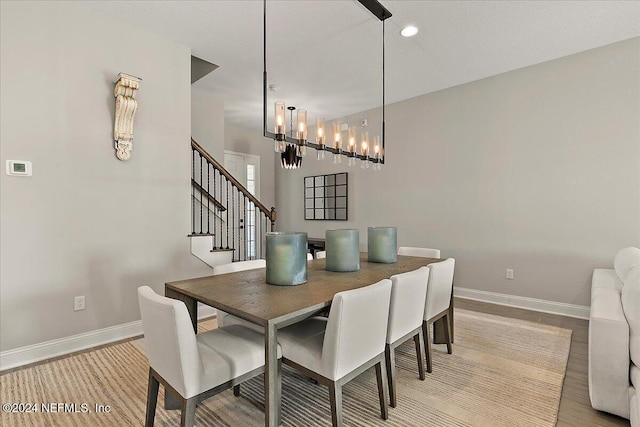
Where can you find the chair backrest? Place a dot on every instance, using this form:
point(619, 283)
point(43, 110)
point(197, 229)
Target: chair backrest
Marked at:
point(421, 252)
point(439, 288)
point(321, 254)
point(239, 266)
point(408, 296)
point(356, 328)
point(170, 341)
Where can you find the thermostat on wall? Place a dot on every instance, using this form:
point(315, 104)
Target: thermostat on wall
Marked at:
point(19, 167)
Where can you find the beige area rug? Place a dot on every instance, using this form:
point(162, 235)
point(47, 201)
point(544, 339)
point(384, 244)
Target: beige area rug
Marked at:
point(503, 372)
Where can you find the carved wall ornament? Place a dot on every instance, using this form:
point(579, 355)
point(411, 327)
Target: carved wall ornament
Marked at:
point(126, 106)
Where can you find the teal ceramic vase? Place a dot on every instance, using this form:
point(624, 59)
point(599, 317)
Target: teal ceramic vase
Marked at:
point(286, 255)
point(343, 250)
point(382, 244)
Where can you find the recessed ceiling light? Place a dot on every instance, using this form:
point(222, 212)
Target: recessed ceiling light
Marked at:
point(409, 31)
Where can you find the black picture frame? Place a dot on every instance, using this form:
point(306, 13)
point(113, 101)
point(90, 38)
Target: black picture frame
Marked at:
point(326, 197)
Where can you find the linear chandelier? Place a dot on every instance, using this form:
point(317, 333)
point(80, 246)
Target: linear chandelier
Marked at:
point(293, 148)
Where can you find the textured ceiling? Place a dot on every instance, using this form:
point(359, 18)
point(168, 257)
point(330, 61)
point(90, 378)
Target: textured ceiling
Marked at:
point(326, 55)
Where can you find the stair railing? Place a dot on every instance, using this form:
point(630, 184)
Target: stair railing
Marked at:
point(223, 208)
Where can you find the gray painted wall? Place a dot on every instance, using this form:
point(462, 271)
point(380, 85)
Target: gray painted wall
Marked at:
point(207, 121)
point(537, 170)
point(87, 223)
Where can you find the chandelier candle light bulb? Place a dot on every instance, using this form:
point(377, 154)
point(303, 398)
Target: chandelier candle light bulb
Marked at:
point(376, 153)
point(352, 146)
point(279, 114)
point(320, 131)
point(302, 132)
point(364, 150)
point(352, 140)
point(280, 143)
point(337, 143)
point(320, 135)
point(302, 126)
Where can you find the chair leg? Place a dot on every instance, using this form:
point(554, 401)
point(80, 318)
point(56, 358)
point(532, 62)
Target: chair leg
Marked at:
point(335, 397)
point(382, 390)
point(419, 341)
point(390, 361)
point(447, 332)
point(152, 399)
point(189, 412)
point(427, 344)
point(450, 317)
point(236, 390)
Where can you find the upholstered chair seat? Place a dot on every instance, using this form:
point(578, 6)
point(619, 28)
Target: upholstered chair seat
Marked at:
point(336, 349)
point(193, 367)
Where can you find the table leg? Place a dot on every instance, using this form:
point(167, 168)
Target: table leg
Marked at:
point(171, 401)
point(272, 380)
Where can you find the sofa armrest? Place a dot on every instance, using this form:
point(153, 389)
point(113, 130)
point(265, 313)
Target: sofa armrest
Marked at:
point(608, 353)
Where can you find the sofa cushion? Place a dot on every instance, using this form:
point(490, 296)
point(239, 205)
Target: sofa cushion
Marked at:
point(631, 307)
point(626, 260)
point(605, 278)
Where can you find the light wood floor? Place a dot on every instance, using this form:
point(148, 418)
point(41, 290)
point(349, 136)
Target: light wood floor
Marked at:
point(575, 408)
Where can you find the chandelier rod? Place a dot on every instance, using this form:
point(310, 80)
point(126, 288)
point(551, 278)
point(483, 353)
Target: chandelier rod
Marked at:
point(380, 12)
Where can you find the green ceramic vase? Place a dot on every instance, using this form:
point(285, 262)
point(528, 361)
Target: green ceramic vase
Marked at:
point(286, 255)
point(343, 250)
point(382, 244)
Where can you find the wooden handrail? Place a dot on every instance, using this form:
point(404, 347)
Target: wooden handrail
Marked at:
point(270, 213)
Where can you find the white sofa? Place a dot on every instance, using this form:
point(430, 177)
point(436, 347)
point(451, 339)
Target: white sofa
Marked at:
point(614, 337)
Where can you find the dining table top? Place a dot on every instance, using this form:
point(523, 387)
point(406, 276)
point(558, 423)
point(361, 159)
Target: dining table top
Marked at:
point(246, 293)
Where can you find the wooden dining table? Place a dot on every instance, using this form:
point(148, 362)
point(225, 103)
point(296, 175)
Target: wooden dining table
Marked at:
point(247, 295)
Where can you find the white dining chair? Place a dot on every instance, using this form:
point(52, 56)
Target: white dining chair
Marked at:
point(321, 254)
point(239, 266)
point(406, 311)
point(428, 253)
point(336, 349)
point(438, 303)
point(193, 367)
point(224, 318)
point(419, 252)
point(309, 256)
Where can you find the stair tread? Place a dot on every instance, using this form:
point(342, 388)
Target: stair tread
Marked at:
point(222, 249)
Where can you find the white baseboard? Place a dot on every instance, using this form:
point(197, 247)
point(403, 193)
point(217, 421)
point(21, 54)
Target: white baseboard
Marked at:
point(46, 350)
point(552, 307)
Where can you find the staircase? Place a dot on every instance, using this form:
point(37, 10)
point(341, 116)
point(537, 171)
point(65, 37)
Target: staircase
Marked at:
point(228, 223)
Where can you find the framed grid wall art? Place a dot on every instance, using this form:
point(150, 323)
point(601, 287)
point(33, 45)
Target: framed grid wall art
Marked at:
point(326, 197)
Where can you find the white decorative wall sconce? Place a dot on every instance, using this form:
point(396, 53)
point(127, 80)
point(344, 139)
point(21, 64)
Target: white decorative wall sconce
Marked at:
point(126, 106)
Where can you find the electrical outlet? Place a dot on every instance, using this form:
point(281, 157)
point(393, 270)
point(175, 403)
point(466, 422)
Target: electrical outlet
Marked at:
point(509, 274)
point(78, 303)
